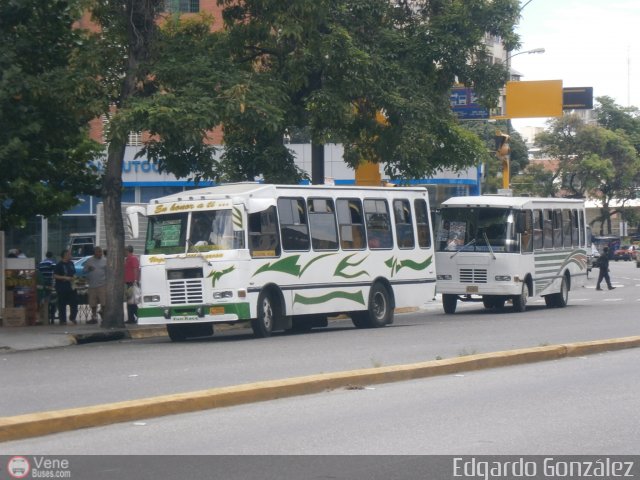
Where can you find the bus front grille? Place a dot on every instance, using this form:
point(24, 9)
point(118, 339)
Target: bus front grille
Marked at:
point(473, 275)
point(185, 291)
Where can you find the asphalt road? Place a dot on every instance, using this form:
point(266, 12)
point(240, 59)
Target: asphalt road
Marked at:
point(583, 405)
point(99, 373)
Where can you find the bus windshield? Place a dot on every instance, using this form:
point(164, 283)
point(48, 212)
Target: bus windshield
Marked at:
point(477, 230)
point(199, 231)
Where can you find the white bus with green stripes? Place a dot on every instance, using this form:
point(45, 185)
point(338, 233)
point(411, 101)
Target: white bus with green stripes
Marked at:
point(499, 249)
point(283, 257)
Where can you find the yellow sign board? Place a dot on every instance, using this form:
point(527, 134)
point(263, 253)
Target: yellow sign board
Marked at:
point(541, 98)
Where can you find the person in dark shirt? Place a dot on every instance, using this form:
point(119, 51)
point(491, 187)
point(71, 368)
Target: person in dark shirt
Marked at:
point(64, 274)
point(603, 265)
point(46, 268)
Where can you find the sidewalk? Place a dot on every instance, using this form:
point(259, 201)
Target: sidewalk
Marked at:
point(51, 336)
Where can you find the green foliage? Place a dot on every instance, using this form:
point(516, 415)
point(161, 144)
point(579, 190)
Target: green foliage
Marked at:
point(595, 161)
point(46, 102)
point(340, 63)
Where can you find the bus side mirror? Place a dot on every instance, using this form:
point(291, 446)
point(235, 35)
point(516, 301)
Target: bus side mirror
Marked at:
point(133, 223)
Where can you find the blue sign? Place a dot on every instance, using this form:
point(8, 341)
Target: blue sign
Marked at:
point(464, 105)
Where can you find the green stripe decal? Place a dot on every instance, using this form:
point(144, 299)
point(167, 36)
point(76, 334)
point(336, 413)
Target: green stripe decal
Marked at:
point(344, 264)
point(396, 265)
point(355, 297)
point(290, 265)
point(216, 275)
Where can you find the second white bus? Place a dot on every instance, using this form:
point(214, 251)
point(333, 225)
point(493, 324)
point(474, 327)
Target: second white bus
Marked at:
point(499, 249)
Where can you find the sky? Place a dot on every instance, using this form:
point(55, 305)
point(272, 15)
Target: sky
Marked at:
point(588, 43)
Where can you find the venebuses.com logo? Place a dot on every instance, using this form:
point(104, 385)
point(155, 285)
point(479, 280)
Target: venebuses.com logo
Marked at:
point(18, 467)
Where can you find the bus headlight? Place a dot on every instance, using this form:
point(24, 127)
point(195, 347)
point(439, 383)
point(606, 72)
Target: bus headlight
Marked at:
point(151, 299)
point(444, 277)
point(503, 278)
point(221, 295)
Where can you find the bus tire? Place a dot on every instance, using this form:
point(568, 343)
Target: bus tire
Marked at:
point(177, 333)
point(359, 319)
point(380, 311)
point(520, 301)
point(560, 299)
point(268, 312)
point(449, 302)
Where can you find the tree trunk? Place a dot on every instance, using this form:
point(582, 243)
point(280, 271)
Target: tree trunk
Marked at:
point(114, 226)
point(139, 19)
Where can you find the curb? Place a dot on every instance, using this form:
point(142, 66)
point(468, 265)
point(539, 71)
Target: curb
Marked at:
point(44, 423)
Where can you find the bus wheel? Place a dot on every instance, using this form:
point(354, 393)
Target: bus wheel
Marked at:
point(562, 298)
point(487, 302)
point(559, 300)
point(449, 302)
point(267, 312)
point(520, 301)
point(380, 311)
point(359, 319)
point(177, 333)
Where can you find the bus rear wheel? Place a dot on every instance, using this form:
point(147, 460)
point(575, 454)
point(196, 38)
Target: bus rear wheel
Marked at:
point(380, 311)
point(560, 299)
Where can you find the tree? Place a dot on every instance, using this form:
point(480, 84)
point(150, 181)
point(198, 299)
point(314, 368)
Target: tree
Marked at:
point(46, 102)
point(340, 63)
point(593, 161)
point(536, 181)
point(121, 49)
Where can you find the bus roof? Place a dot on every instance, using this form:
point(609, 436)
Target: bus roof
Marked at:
point(511, 202)
point(262, 190)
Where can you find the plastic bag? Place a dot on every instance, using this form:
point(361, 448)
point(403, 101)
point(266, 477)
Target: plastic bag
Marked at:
point(134, 295)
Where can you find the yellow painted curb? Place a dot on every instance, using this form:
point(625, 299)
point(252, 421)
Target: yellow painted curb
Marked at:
point(43, 423)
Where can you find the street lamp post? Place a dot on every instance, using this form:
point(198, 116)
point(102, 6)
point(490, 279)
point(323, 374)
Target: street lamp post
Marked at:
point(533, 50)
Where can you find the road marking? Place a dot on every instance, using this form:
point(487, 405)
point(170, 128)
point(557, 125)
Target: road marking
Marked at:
point(612, 300)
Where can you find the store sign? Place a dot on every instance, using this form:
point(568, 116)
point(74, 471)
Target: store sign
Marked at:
point(464, 104)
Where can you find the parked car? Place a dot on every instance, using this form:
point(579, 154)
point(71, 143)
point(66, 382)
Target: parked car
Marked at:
point(625, 252)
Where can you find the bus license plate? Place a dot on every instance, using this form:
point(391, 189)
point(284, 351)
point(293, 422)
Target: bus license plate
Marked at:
point(185, 318)
point(472, 289)
point(216, 310)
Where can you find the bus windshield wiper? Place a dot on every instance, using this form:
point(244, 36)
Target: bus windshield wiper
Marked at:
point(463, 247)
point(484, 235)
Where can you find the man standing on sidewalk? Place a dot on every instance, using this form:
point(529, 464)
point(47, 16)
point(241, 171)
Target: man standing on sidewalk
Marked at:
point(603, 265)
point(64, 274)
point(46, 268)
point(131, 280)
point(95, 269)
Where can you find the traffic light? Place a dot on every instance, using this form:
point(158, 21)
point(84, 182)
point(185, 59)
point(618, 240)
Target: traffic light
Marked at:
point(502, 152)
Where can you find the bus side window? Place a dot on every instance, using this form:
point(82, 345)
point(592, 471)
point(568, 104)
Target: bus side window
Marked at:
point(557, 228)
point(538, 223)
point(322, 221)
point(575, 229)
point(263, 234)
point(422, 222)
point(548, 229)
point(404, 224)
point(294, 227)
point(582, 228)
point(351, 223)
point(378, 223)
point(527, 235)
point(566, 227)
